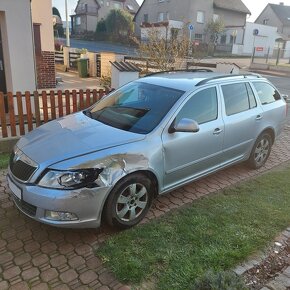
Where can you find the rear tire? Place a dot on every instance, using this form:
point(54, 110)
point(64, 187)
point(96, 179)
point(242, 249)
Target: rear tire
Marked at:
point(129, 201)
point(260, 151)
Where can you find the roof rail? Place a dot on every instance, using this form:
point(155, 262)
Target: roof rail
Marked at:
point(180, 70)
point(227, 76)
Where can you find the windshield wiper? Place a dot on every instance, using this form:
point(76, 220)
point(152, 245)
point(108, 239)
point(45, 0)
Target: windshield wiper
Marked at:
point(88, 113)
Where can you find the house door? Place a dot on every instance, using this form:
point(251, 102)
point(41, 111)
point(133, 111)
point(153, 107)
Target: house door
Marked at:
point(2, 71)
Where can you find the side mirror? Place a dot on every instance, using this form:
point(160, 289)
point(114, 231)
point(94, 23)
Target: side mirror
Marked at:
point(184, 125)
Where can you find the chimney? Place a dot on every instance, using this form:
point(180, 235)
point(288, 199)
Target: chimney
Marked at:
point(281, 3)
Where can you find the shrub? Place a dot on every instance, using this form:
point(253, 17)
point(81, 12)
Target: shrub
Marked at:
point(219, 281)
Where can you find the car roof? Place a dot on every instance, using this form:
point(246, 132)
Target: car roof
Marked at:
point(187, 80)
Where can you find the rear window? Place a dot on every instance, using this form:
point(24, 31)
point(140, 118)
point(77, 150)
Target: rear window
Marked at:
point(267, 93)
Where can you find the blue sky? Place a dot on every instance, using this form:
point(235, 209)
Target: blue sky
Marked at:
point(255, 6)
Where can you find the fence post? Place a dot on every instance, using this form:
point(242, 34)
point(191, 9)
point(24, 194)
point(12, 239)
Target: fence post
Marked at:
point(11, 114)
point(278, 56)
point(37, 109)
point(3, 116)
point(268, 53)
point(29, 111)
point(253, 55)
point(20, 113)
point(66, 56)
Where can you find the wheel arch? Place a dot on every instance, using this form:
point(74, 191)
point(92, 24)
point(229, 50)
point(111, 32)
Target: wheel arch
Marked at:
point(147, 173)
point(271, 132)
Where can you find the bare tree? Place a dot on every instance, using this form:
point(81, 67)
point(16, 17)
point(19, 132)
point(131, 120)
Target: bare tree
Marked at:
point(214, 29)
point(167, 52)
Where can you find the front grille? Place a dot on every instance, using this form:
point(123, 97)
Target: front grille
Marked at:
point(20, 169)
point(26, 207)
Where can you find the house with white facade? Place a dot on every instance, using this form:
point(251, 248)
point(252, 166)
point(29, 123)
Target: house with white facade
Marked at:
point(194, 14)
point(26, 45)
point(89, 12)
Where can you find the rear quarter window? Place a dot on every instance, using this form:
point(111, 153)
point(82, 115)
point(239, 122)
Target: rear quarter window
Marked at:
point(266, 93)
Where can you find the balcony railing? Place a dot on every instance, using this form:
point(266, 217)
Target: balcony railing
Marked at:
point(87, 10)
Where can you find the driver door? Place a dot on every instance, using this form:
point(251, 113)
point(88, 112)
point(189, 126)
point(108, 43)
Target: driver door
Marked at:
point(190, 155)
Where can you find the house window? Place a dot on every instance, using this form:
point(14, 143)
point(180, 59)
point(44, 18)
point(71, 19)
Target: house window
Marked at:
point(161, 1)
point(265, 21)
point(174, 33)
point(223, 39)
point(130, 8)
point(117, 6)
point(37, 38)
point(146, 18)
point(200, 17)
point(78, 20)
point(108, 3)
point(215, 17)
point(102, 2)
point(163, 16)
point(198, 36)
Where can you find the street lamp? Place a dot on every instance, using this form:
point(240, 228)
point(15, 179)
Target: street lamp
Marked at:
point(67, 25)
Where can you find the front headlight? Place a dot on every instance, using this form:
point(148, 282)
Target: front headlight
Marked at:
point(69, 179)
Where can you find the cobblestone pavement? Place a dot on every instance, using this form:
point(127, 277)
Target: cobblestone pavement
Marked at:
point(37, 256)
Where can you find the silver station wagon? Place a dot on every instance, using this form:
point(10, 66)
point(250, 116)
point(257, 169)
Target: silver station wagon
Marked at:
point(107, 163)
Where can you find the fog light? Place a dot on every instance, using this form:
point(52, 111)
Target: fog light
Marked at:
point(60, 216)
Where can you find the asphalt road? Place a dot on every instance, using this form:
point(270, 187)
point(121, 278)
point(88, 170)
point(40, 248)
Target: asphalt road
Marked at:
point(282, 83)
point(99, 46)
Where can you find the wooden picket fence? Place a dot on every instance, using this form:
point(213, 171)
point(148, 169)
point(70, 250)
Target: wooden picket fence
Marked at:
point(21, 113)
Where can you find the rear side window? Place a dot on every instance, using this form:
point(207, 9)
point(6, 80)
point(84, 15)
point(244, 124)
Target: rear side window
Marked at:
point(267, 94)
point(238, 98)
point(202, 107)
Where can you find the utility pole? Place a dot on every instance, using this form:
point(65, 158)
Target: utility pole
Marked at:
point(67, 25)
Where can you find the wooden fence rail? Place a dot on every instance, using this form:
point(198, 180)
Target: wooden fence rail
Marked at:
point(21, 113)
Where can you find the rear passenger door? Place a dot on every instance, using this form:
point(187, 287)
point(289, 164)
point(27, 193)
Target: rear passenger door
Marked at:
point(243, 120)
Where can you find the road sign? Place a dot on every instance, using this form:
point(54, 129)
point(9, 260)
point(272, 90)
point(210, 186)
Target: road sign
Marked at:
point(256, 32)
point(190, 27)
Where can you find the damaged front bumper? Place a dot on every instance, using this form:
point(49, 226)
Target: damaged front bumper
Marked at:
point(82, 206)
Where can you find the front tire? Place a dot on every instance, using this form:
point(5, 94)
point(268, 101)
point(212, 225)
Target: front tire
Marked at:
point(260, 151)
point(129, 201)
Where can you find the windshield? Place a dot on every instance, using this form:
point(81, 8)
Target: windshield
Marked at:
point(137, 107)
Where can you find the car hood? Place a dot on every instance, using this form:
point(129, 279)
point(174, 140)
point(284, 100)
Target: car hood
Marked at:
point(72, 136)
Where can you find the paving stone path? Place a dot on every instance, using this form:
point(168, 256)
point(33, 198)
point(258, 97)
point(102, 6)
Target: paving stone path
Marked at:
point(37, 256)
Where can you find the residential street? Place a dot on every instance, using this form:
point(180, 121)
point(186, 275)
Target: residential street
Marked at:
point(101, 46)
point(37, 256)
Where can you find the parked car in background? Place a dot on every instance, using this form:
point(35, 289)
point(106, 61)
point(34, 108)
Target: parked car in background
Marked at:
point(147, 138)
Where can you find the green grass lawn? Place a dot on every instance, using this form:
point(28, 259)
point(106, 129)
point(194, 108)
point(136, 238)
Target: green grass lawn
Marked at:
point(4, 159)
point(215, 233)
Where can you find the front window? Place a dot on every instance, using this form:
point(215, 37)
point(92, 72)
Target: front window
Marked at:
point(200, 17)
point(78, 20)
point(163, 16)
point(146, 18)
point(136, 107)
point(117, 6)
point(202, 107)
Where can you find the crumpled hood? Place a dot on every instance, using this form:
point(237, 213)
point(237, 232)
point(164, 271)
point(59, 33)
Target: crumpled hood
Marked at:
point(72, 136)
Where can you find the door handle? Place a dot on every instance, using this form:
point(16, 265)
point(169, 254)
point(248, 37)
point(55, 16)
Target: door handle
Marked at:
point(259, 117)
point(217, 131)
point(1, 65)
